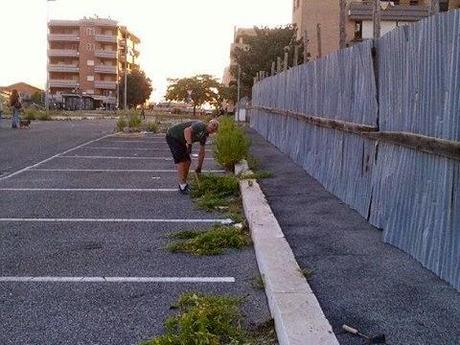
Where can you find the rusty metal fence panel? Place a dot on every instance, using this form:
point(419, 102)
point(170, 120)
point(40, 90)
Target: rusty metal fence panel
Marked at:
point(413, 196)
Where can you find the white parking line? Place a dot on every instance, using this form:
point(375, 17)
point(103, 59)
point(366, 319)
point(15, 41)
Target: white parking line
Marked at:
point(55, 156)
point(117, 279)
point(130, 149)
point(121, 157)
point(139, 190)
point(99, 220)
point(122, 170)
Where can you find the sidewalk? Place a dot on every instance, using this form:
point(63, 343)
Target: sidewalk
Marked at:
point(357, 279)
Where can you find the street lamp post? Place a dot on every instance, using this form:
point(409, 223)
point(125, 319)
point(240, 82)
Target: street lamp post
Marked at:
point(125, 98)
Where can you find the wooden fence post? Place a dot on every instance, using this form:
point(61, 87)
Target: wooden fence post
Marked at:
point(278, 65)
point(296, 56)
point(318, 34)
point(286, 61)
point(376, 18)
point(343, 33)
point(305, 46)
point(273, 71)
point(434, 7)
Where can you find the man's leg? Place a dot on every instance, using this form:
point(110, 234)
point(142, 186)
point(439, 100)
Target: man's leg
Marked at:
point(182, 171)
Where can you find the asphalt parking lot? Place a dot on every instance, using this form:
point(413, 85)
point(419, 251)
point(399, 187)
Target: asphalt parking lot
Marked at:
point(83, 227)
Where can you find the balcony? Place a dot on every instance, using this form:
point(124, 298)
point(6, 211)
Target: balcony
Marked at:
point(63, 68)
point(105, 69)
point(63, 53)
point(106, 38)
point(106, 85)
point(360, 11)
point(108, 54)
point(64, 83)
point(63, 38)
point(66, 23)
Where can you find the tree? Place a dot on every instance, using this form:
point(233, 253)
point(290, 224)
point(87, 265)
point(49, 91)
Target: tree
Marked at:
point(38, 98)
point(199, 89)
point(261, 50)
point(139, 88)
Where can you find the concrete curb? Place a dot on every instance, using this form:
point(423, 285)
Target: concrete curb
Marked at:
point(299, 319)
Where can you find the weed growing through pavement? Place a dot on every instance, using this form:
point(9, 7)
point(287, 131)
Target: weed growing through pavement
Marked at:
point(258, 283)
point(213, 320)
point(231, 143)
point(307, 272)
point(209, 242)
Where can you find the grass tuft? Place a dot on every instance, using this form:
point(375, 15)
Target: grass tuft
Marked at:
point(121, 124)
point(210, 242)
point(204, 320)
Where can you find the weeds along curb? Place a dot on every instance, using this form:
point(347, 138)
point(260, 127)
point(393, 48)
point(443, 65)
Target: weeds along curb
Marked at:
point(299, 319)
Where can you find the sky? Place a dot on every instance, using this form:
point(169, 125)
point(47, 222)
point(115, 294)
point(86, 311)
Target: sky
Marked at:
point(180, 38)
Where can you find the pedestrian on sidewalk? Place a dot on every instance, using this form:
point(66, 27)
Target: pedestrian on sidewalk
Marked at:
point(16, 106)
point(180, 139)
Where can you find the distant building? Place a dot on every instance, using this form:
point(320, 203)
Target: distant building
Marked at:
point(85, 61)
point(26, 91)
point(307, 14)
point(239, 41)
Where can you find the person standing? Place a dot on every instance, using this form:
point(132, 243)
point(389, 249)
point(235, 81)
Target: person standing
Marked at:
point(15, 104)
point(180, 139)
point(1, 109)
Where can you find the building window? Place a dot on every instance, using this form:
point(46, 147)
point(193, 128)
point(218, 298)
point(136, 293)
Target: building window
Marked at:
point(91, 31)
point(90, 46)
point(90, 62)
point(90, 78)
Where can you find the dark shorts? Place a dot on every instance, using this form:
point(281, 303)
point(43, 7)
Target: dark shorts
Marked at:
point(178, 150)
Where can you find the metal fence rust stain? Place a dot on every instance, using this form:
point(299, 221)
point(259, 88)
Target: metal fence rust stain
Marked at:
point(413, 196)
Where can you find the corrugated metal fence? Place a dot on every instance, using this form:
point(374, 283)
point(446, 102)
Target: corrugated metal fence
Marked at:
point(413, 196)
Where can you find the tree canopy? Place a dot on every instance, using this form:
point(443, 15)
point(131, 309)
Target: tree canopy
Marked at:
point(260, 51)
point(139, 88)
point(198, 90)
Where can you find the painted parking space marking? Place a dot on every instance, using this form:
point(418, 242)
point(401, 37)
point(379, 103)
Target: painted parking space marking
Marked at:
point(141, 280)
point(120, 148)
point(124, 190)
point(53, 157)
point(121, 157)
point(113, 220)
point(122, 170)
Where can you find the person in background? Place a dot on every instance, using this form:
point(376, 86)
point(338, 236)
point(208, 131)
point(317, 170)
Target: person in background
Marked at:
point(16, 106)
point(1, 108)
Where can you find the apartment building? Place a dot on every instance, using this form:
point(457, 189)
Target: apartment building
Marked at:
point(239, 38)
point(320, 20)
point(85, 61)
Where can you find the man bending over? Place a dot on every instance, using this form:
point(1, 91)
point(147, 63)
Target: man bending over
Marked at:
point(180, 139)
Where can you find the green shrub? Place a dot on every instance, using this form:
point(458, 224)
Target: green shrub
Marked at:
point(151, 126)
point(44, 116)
point(30, 114)
point(134, 121)
point(204, 320)
point(210, 242)
point(121, 124)
point(231, 143)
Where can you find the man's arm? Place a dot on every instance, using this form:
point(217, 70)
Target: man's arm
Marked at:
point(201, 155)
point(188, 139)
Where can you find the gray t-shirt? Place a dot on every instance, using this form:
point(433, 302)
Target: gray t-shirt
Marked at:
point(199, 132)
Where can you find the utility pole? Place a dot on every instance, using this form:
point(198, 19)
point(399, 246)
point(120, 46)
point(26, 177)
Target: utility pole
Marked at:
point(305, 46)
point(376, 18)
point(125, 98)
point(318, 34)
point(434, 7)
point(343, 33)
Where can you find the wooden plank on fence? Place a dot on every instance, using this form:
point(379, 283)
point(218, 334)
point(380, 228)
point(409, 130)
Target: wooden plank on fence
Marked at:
point(432, 145)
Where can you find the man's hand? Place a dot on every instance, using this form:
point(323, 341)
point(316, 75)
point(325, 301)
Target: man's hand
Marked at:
point(198, 170)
